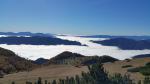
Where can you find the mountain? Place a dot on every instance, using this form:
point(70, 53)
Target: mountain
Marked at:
point(25, 34)
point(36, 40)
point(141, 56)
point(110, 36)
point(40, 61)
point(126, 44)
point(10, 62)
point(67, 55)
point(70, 58)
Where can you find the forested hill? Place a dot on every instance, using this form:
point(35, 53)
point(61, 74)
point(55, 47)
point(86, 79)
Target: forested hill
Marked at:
point(78, 59)
point(25, 34)
point(126, 44)
point(10, 62)
point(141, 56)
point(36, 40)
point(112, 37)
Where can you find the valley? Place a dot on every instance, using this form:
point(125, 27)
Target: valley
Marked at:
point(21, 63)
point(49, 51)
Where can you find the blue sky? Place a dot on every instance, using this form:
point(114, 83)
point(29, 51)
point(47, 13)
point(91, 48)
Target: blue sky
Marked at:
point(113, 17)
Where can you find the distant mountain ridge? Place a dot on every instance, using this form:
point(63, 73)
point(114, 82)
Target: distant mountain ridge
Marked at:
point(25, 34)
point(141, 56)
point(87, 36)
point(41, 61)
point(36, 40)
point(111, 36)
point(126, 44)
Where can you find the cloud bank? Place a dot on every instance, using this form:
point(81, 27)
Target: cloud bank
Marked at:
point(48, 51)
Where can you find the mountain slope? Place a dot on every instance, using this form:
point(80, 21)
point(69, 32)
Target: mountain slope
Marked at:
point(25, 34)
point(126, 44)
point(36, 40)
point(10, 62)
point(109, 36)
point(141, 56)
point(70, 58)
point(41, 61)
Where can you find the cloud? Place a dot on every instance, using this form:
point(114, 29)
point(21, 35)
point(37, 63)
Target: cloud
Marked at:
point(36, 51)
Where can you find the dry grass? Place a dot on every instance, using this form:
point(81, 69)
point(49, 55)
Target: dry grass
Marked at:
point(47, 73)
point(116, 67)
point(61, 71)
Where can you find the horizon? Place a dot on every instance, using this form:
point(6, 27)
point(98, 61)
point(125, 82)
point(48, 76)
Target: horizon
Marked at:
point(105, 17)
point(71, 34)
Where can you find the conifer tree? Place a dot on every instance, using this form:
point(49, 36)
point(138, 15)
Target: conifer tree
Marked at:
point(54, 82)
point(39, 80)
point(46, 82)
point(13, 82)
point(77, 79)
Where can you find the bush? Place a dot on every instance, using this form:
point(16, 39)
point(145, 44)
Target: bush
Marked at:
point(119, 79)
point(145, 71)
point(127, 60)
point(126, 66)
point(13, 82)
point(146, 80)
point(148, 64)
point(134, 70)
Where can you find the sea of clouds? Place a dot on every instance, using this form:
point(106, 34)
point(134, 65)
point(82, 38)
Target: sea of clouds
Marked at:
point(37, 51)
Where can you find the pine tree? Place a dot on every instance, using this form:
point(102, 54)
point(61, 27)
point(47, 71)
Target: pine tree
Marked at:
point(54, 82)
point(146, 80)
point(77, 79)
point(13, 82)
point(39, 80)
point(46, 82)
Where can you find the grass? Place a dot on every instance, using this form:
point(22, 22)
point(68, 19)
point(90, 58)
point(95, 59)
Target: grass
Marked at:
point(145, 70)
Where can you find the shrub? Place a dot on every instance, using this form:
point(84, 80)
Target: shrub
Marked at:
point(127, 60)
point(133, 70)
point(148, 64)
point(126, 66)
point(146, 80)
point(119, 79)
point(28, 82)
point(145, 71)
point(13, 82)
point(39, 80)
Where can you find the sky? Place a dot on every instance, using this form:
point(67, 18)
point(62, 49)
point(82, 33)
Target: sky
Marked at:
point(84, 17)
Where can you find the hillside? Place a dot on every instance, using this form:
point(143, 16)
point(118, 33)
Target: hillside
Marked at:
point(36, 40)
point(59, 71)
point(47, 73)
point(10, 62)
point(112, 37)
point(65, 64)
point(141, 56)
point(126, 44)
point(25, 34)
point(41, 61)
point(78, 59)
point(130, 67)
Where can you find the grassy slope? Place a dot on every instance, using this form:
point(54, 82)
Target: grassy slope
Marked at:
point(48, 72)
point(60, 71)
point(116, 67)
point(10, 62)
